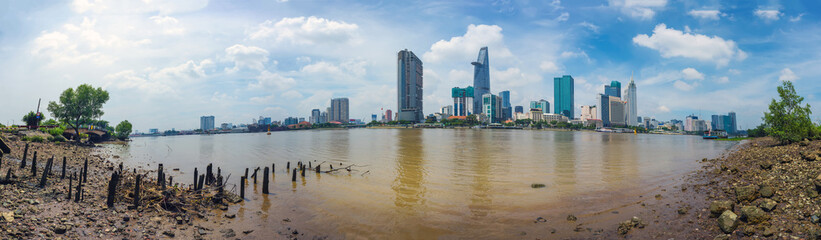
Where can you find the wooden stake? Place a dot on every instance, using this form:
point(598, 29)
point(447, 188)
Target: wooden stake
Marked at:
point(34, 165)
point(265, 181)
point(242, 187)
point(137, 192)
point(63, 175)
point(112, 189)
point(25, 154)
point(293, 176)
point(85, 171)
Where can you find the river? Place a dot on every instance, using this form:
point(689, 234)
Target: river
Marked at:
point(430, 183)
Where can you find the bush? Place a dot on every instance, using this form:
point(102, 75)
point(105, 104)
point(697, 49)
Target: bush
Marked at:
point(58, 138)
point(787, 120)
point(24, 138)
point(56, 131)
point(83, 135)
point(36, 139)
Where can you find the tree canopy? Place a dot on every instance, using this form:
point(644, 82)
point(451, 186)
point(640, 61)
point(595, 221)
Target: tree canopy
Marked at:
point(123, 130)
point(79, 106)
point(32, 120)
point(787, 120)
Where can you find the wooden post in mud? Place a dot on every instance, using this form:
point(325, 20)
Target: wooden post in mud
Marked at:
point(293, 176)
point(112, 189)
point(194, 184)
point(170, 180)
point(242, 187)
point(137, 191)
point(63, 175)
point(255, 175)
point(25, 153)
point(85, 171)
point(34, 165)
point(202, 181)
point(121, 167)
point(288, 167)
point(309, 164)
point(317, 168)
point(273, 166)
point(209, 174)
point(246, 173)
point(45, 172)
point(219, 173)
point(70, 183)
point(303, 170)
point(79, 191)
point(160, 177)
point(265, 181)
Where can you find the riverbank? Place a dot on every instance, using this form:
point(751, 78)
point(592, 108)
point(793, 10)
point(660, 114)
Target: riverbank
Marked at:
point(54, 211)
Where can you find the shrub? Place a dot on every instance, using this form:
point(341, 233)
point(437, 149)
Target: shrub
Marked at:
point(56, 131)
point(83, 135)
point(36, 139)
point(24, 138)
point(58, 138)
point(787, 120)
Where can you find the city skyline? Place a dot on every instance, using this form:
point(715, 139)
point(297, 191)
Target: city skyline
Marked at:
point(165, 64)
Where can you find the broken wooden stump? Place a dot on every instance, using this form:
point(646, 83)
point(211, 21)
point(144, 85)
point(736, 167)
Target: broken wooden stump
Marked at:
point(112, 189)
point(265, 181)
point(63, 175)
point(25, 153)
point(45, 172)
point(293, 176)
point(34, 165)
point(85, 171)
point(242, 186)
point(137, 192)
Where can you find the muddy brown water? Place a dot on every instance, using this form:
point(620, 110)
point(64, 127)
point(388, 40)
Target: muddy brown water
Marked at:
point(434, 183)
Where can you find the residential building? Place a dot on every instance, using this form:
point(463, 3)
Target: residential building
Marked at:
point(563, 96)
point(731, 125)
point(290, 121)
point(481, 79)
point(589, 112)
point(315, 116)
point(507, 110)
point(536, 115)
point(226, 126)
point(447, 111)
point(689, 124)
point(338, 110)
point(207, 123)
point(492, 106)
point(632, 103)
point(323, 117)
point(153, 131)
point(389, 115)
point(462, 101)
point(264, 120)
point(614, 89)
point(617, 111)
point(409, 84)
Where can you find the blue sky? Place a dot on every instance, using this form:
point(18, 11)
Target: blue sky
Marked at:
point(165, 63)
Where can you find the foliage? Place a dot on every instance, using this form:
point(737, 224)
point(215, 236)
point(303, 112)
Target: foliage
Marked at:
point(430, 120)
point(123, 130)
point(79, 106)
point(36, 139)
point(58, 138)
point(58, 131)
point(51, 122)
point(326, 125)
point(31, 119)
point(787, 120)
point(83, 136)
point(760, 131)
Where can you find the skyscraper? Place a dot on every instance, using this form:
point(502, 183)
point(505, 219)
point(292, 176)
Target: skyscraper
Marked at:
point(603, 110)
point(632, 104)
point(563, 96)
point(409, 81)
point(389, 115)
point(492, 108)
point(732, 126)
point(206, 123)
point(507, 110)
point(481, 79)
point(542, 105)
point(519, 109)
point(614, 89)
point(339, 110)
point(315, 116)
point(617, 111)
point(462, 101)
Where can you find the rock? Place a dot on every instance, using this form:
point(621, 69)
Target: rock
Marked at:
point(682, 211)
point(229, 234)
point(571, 218)
point(722, 237)
point(541, 219)
point(769, 231)
point(718, 207)
point(168, 233)
point(812, 193)
point(126, 218)
point(230, 216)
point(8, 216)
point(766, 191)
point(754, 215)
point(767, 204)
point(766, 164)
point(811, 155)
point(537, 185)
point(815, 218)
point(60, 229)
point(728, 221)
point(247, 231)
point(746, 193)
point(635, 222)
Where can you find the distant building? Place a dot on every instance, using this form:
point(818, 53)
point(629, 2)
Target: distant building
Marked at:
point(373, 117)
point(338, 111)
point(207, 123)
point(632, 104)
point(518, 109)
point(507, 110)
point(264, 121)
point(302, 119)
point(492, 107)
point(315, 116)
point(226, 126)
point(542, 105)
point(290, 121)
point(462, 101)
point(481, 79)
point(614, 89)
point(389, 115)
point(725, 122)
point(447, 110)
point(153, 131)
point(323, 117)
point(589, 112)
point(550, 117)
point(731, 125)
point(689, 123)
point(409, 81)
point(563, 96)
point(617, 111)
point(536, 115)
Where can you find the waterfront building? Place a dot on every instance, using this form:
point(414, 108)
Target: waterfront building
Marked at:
point(550, 117)
point(521, 116)
point(632, 103)
point(409, 84)
point(731, 125)
point(373, 117)
point(290, 121)
point(226, 126)
point(492, 106)
point(153, 131)
point(507, 111)
point(481, 79)
point(323, 117)
point(389, 115)
point(315, 116)
point(264, 120)
point(603, 109)
point(462, 101)
point(536, 115)
point(542, 105)
point(717, 122)
point(589, 112)
point(617, 111)
point(614, 89)
point(207, 123)
point(518, 109)
point(302, 119)
point(447, 110)
point(338, 110)
point(563, 96)
point(689, 124)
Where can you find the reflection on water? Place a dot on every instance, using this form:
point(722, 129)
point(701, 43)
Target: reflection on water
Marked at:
point(430, 183)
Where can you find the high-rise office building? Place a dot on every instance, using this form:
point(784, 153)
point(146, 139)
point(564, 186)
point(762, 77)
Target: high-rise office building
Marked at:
point(717, 122)
point(207, 123)
point(507, 110)
point(614, 89)
point(603, 109)
point(389, 115)
point(447, 110)
point(617, 111)
point(315, 116)
point(563, 96)
point(492, 108)
point(463, 101)
point(632, 103)
point(732, 127)
point(519, 109)
point(290, 121)
point(409, 84)
point(323, 117)
point(339, 110)
point(542, 105)
point(481, 79)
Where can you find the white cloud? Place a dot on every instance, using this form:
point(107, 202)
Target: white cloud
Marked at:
point(466, 47)
point(137, 6)
point(246, 57)
point(129, 80)
point(787, 75)
point(186, 71)
point(511, 77)
point(768, 15)
point(692, 74)
point(590, 26)
point(292, 95)
point(663, 109)
point(734, 71)
point(797, 18)
point(681, 85)
point(81, 44)
point(722, 80)
point(705, 14)
point(642, 9)
point(272, 81)
point(549, 67)
point(674, 43)
point(564, 17)
point(306, 31)
point(169, 25)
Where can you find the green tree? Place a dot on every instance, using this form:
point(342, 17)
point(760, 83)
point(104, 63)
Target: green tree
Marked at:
point(31, 120)
point(787, 120)
point(79, 106)
point(123, 130)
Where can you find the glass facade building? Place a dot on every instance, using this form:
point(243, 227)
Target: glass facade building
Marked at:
point(492, 108)
point(632, 104)
point(614, 89)
point(462, 101)
point(409, 84)
point(481, 79)
point(542, 105)
point(563, 96)
point(507, 110)
point(207, 123)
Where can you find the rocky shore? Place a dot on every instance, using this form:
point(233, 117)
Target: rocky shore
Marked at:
point(29, 211)
point(763, 190)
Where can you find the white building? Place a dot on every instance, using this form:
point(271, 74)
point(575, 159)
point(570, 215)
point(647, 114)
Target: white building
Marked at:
point(549, 117)
point(631, 112)
point(589, 112)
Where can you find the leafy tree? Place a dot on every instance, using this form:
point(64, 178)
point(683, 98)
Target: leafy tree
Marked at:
point(759, 131)
point(79, 106)
point(787, 120)
point(31, 119)
point(123, 130)
point(51, 122)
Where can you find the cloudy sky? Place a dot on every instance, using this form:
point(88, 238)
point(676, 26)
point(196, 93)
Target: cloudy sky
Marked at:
point(166, 63)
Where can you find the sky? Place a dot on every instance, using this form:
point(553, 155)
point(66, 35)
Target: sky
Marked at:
point(166, 63)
